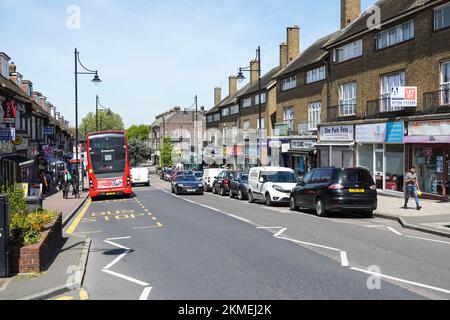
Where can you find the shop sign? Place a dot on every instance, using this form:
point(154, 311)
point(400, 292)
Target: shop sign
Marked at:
point(429, 128)
point(285, 147)
point(395, 132)
point(302, 144)
point(49, 131)
point(7, 134)
point(428, 152)
point(404, 97)
point(371, 133)
point(336, 133)
point(275, 144)
point(48, 151)
point(9, 111)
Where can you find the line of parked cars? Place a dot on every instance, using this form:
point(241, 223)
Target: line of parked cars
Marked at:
point(323, 190)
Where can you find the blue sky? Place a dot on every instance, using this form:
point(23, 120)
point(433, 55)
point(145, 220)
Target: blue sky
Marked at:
point(152, 54)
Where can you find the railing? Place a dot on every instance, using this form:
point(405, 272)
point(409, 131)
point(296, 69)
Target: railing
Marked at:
point(437, 101)
point(304, 128)
point(383, 107)
point(345, 110)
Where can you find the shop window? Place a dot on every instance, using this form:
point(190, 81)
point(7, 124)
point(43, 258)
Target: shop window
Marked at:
point(394, 167)
point(429, 163)
point(365, 157)
point(324, 157)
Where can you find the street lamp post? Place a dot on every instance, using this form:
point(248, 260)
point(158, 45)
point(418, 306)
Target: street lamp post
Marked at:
point(241, 78)
point(96, 80)
point(196, 139)
point(108, 113)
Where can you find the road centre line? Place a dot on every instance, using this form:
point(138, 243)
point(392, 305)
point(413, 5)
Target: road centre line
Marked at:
point(402, 280)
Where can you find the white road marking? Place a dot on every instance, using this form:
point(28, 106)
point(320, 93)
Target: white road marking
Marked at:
point(426, 239)
point(344, 259)
point(402, 280)
point(116, 260)
point(119, 275)
point(121, 238)
point(268, 228)
point(145, 293)
point(239, 218)
point(279, 233)
point(310, 244)
point(149, 227)
point(116, 245)
point(395, 231)
point(374, 226)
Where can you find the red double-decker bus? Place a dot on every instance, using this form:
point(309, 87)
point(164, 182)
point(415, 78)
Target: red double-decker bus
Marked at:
point(108, 164)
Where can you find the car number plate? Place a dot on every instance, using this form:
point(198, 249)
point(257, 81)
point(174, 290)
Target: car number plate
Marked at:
point(191, 190)
point(110, 193)
point(357, 190)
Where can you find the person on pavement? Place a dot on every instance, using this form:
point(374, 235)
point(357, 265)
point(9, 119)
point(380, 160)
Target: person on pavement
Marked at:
point(412, 188)
point(75, 184)
point(66, 182)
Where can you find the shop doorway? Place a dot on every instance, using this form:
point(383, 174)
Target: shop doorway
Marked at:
point(447, 180)
point(379, 168)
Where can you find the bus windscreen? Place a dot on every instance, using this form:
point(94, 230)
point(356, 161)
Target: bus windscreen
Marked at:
point(108, 155)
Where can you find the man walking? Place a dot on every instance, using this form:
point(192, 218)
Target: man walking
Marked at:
point(412, 188)
point(66, 182)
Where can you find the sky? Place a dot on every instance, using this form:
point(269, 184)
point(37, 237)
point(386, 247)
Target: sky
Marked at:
point(151, 54)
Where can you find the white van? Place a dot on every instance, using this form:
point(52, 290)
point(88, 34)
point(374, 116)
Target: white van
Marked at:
point(271, 184)
point(208, 178)
point(140, 176)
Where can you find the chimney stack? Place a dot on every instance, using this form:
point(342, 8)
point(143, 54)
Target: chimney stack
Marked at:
point(27, 86)
point(232, 85)
point(12, 68)
point(217, 95)
point(293, 43)
point(283, 55)
point(254, 73)
point(350, 10)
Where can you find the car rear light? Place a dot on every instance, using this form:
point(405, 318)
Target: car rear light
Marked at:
point(225, 182)
point(336, 186)
point(374, 187)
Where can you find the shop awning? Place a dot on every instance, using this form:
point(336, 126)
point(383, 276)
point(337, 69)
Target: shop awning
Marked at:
point(302, 151)
point(20, 160)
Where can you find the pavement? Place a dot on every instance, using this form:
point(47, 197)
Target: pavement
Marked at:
point(158, 246)
point(65, 272)
point(434, 217)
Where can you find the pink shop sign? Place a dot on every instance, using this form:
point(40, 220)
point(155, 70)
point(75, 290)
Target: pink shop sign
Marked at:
point(427, 139)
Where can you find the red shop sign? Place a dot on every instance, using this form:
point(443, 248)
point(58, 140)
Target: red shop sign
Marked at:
point(9, 111)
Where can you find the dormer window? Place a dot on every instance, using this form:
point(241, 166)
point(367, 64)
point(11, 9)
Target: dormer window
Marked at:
point(349, 51)
point(4, 60)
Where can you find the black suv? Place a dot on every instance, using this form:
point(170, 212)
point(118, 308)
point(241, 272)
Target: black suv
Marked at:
point(221, 183)
point(336, 190)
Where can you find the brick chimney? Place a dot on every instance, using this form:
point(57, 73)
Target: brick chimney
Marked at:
point(293, 43)
point(232, 85)
point(12, 68)
point(254, 74)
point(27, 87)
point(217, 95)
point(42, 102)
point(283, 55)
point(37, 97)
point(350, 10)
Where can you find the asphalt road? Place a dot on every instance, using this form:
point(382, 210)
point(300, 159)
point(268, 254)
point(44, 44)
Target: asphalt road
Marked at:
point(161, 246)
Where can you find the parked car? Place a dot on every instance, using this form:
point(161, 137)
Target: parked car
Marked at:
point(199, 175)
point(187, 184)
point(271, 184)
point(239, 185)
point(166, 174)
point(208, 178)
point(336, 190)
point(221, 184)
point(176, 174)
point(140, 176)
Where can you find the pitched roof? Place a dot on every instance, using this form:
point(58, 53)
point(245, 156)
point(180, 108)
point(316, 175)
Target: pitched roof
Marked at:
point(389, 9)
point(313, 54)
point(266, 81)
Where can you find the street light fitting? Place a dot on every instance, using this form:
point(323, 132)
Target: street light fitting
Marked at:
point(240, 77)
point(96, 79)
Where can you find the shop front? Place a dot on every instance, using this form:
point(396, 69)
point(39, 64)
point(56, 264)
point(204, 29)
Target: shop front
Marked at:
point(380, 150)
point(336, 146)
point(428, 149)
point(302, 156)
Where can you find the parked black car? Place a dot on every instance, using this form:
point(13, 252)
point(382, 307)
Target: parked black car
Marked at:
point(221, 183)
point(336, 190)
point(239, 186)
point(187, 184)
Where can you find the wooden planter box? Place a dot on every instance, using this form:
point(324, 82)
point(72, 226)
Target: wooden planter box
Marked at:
point(37, 257)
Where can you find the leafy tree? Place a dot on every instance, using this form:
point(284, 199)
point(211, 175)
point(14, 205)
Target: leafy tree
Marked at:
point(166, 153)
point(139, 151)
point(105, 122)
point(141, 132)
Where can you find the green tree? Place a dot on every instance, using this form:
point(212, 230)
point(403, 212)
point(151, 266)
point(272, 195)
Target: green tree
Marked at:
point(105, 122)
point(141, 132)
point(166, 153)
point(139, 151)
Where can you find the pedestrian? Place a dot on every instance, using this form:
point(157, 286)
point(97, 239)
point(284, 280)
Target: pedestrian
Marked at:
point(44, 182)
point(412, 188)
point(66, 182)
point(75, 184)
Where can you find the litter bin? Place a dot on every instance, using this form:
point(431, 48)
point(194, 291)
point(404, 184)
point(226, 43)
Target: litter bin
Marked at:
point(4, 234)
point(34, 203)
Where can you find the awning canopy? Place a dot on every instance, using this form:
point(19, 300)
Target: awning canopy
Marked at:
point(20, 160)
point(336, 143)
